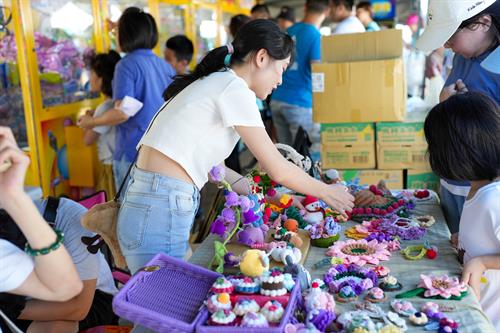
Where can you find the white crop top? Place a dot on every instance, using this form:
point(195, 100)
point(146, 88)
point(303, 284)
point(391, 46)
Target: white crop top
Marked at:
point(196, 129)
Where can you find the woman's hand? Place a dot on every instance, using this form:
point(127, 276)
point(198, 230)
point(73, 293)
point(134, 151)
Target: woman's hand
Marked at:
point(458, 87)
point(338, 197)
point(472, 273)
point(12, 179)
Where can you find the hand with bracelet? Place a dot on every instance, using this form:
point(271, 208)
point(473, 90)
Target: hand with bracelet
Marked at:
point(54, 276)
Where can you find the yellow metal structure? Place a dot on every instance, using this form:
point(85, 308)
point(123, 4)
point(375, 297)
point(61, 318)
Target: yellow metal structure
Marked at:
point(40, 119)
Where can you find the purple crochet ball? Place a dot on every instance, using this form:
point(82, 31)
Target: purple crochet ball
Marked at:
point(251, 235)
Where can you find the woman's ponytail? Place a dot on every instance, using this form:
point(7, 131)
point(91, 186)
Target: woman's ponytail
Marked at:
point(252, 37)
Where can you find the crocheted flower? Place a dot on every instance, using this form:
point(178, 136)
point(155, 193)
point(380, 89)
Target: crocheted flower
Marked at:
point(217, 173)
point(218, 227)
point(228, 215)
point(232, 199)
point(245, 203)
point(443, 286)
point(357, 278)
point(360, 252)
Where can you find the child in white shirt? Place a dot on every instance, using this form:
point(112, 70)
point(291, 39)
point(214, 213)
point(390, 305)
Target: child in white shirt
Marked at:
point(463, 133)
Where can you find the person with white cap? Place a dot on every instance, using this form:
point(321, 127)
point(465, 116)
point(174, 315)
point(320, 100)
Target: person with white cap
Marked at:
point(471, 28)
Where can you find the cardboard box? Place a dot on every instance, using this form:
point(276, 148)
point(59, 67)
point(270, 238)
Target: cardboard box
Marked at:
point(348, 133)
point(402, 157)
point(393, 178)
point(401, 133)
point(420, 179)
point(383, 44)
point(348, 156)
point(365, 83)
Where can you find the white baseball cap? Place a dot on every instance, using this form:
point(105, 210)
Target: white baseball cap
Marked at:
point(444, 18)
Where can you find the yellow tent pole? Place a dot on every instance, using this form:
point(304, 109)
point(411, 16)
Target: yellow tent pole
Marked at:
point(98, 27)
point(154, 10)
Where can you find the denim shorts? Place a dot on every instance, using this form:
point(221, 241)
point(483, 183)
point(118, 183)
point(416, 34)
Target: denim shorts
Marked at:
point(156, 215)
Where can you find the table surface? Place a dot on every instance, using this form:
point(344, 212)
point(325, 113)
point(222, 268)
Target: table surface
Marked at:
point(467, 311)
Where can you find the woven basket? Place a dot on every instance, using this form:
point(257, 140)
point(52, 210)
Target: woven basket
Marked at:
point(167, 300)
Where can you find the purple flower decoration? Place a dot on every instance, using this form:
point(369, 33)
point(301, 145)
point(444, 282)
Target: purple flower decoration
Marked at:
point(228, 215)
point(230, 260)
point(232, 199)
point(218, 227)
point(249, 217)
point(217, 173)
point(251, 235)
point(321, 319)
point(245, 203)
point(358, 289)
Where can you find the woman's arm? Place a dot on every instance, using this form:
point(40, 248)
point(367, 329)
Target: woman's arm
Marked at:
point(289, 175)
point(54, 276)
point(474, 269)
point(111, 117)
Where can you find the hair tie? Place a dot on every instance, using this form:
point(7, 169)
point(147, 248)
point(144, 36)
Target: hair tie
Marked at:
point(227, 60)
point(230, 48)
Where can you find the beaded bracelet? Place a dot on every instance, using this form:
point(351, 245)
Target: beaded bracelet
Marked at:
point(412, 248)
point(46, 250)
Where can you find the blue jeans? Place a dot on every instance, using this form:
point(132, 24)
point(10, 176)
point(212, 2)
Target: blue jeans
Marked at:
point(287, 119)
point(156, 215)
point(452, 205)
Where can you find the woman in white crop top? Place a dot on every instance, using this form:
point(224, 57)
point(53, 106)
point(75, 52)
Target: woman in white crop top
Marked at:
point(208, 111)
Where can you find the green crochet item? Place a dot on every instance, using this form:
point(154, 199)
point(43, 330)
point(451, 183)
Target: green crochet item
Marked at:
point(294, 213)
point(420, 293)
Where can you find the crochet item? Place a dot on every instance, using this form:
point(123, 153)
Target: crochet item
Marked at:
point(360, 252)
point(288, 282)
point(390, 283)
point(323, 320)
point(244, 306)
point(254, 320)
point(222, 318)
point(354, 276)
point(248, 286)
point(425, 221)
point(254, 263)
point(419, 319)
point(346, 294)
point(235, 279)
point(272, 284)
point(318, 299)
point(273, 311)
point(381, 271)
point(280, 254)
point(431, 286)
point(376, 202)
point(376, 295)
point(219, 302)
point(324, 234)
point(404, 308)
point(222, 285)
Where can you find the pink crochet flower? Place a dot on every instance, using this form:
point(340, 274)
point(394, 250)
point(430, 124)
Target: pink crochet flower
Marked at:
point(360, 252)
point(443, 286)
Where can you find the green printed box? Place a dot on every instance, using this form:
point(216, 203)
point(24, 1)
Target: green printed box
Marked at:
point(400, 133)
point(348, 133)
point(422, 179)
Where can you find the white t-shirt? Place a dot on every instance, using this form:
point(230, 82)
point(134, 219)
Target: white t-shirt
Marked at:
point(350, 25)
point(15, 266)
point(480, 235)
point(196, 129)
point(106, 141)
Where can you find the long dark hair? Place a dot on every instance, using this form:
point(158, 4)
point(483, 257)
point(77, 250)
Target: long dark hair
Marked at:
point(463, 134)
point(252, 37)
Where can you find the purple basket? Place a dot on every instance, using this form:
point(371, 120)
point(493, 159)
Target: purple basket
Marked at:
point(166, 300)
point(287, 318)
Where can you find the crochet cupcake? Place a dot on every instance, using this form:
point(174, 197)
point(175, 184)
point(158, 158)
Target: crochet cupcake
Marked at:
point(346, 295)
point(376, 295)
point(419, 319)
point(390, 283)
point(273, 311)
point(222, 318)
point(244, 306)
point(254, 320)
point(218, 302)
point(288, 282)
point(222, 285)
point(272, 283)
point(236, 279)
point(248, 286)
point(325, 234)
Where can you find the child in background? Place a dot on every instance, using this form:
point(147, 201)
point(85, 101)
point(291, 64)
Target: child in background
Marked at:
point(179, 53)
point(102, 69)
point(138, 84)
point(472, 30)
point(463, 134)
point(364, 12)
